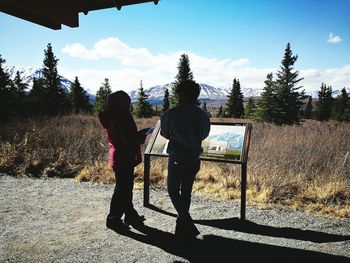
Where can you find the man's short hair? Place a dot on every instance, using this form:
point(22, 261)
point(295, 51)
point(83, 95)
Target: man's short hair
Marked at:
point(189, 90)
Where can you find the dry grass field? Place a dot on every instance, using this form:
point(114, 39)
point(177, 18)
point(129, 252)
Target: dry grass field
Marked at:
point(303, 166)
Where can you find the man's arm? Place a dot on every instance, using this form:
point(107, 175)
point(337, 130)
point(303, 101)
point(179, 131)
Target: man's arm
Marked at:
point(165, 126)
point(206, 126)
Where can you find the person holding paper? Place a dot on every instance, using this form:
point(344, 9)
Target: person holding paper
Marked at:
point(185, 126)
point(124, 155)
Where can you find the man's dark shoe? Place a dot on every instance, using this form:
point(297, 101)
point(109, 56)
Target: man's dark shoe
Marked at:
point(186, 230)
point(117, 226)
point(135, 220)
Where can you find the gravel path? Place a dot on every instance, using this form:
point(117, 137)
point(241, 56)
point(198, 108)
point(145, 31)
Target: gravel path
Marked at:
point(60, 220)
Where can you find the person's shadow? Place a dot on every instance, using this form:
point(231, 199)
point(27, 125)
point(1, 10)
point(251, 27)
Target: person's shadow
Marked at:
point(214, 248)
point(246, 226)
point(249, 227)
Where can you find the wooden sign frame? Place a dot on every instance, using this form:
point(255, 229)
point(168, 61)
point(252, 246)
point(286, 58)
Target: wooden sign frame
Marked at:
point(225, 158)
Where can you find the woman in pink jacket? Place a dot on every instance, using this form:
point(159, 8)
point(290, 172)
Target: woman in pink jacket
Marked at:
point(124, 155)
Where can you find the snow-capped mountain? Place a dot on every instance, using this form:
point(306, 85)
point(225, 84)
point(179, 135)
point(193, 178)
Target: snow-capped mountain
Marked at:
point(335, 93)
point(29, 74)
point(208, 93)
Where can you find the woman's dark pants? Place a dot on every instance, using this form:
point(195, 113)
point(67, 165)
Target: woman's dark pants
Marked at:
point(121, 202)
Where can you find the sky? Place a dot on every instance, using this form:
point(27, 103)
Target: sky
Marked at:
point(224, 39)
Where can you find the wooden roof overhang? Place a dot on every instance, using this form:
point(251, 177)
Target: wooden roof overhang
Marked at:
point(53, 13)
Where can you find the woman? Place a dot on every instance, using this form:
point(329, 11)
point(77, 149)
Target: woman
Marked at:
point(124, 155)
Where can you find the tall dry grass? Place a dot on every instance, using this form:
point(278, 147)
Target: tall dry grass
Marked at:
point(303, 166)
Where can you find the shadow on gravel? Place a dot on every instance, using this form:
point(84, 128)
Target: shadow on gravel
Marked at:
point(286, 232)
point(246, 226)
point(220, 249)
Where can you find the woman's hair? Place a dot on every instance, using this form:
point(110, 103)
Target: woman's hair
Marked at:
point(188, 91)
point(118, 99)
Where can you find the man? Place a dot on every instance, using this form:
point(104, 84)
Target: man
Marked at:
point(185, 126)
point(124, 155)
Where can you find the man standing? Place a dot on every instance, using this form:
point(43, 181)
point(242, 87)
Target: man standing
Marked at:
point(185, 126)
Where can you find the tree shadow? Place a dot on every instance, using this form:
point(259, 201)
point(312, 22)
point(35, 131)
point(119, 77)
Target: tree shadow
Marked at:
point(246, 226)
point(214, 248)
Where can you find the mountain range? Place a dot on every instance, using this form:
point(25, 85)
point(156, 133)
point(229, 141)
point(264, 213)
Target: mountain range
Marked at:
point(156, 93)
point(29, 74)
point(210, 93)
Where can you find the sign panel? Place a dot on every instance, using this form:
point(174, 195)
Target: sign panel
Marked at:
point(226, 142)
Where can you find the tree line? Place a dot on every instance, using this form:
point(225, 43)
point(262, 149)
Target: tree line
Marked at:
point(281, 101)
point(47, 97)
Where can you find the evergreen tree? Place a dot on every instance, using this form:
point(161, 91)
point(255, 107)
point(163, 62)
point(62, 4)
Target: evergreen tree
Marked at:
point(5, 92)
point(37, 97)
point(184, 73)
point(308, 109)
point(220, 113)
point(249, 112)
point(78, 98)
point(55, 101)
point(20, 97)
point(166, 102)
point(325, 103)
point(143, 108)
point(341, 108)
point(265, 110)
point(234, 106)
point(288, 100)
point(204, 107)
point(101, 97)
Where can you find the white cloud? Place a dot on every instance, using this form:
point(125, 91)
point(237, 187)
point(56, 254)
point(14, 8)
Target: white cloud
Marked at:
point(79, 51)
point(158, 69)
point(333, 39)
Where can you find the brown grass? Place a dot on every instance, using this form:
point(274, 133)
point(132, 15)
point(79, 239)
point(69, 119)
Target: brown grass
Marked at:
point(305, 166)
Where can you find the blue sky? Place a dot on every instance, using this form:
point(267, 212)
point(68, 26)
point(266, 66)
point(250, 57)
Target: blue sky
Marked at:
point(224, 39)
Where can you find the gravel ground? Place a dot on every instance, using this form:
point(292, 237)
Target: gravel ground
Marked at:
point(60, 220)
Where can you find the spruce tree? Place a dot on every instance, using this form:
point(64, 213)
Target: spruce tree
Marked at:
point(265, 110)
point(101, 97)
point(6, 94)
point(341, 108)
point(308, 109)
point(143, 108)
point(204, 107)
point(20, 97)
point(78, 98)
point(220, 113)
point(55, 102)
point(36, 98)
point(249, 112)
point(325, 103)
point(166, 102)
point(234, 106)
point(184, 73)
point(289, 100)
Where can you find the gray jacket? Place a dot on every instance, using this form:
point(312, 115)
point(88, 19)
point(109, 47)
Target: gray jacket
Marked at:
point(185, 126)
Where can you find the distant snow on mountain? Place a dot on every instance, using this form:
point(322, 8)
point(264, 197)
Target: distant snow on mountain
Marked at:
point(29, 74)
point(208, 93)
point(335, 93)
point(156, 93)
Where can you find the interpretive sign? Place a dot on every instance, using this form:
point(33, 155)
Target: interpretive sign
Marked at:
point(227, 142)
